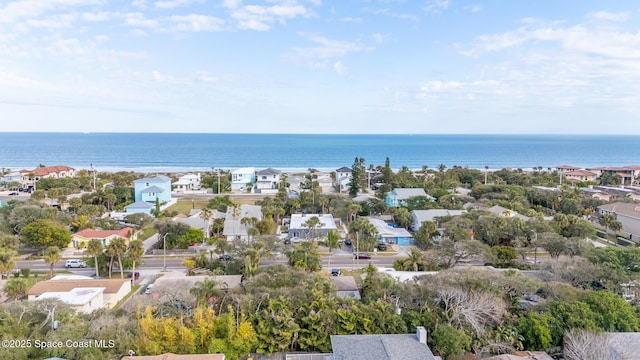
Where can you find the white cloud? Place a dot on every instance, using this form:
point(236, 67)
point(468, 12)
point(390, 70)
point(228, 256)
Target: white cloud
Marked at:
point(473, 8)
point(101, 38)
point(139, 20)
point(95, 17)
point(195, 23)
point(172, 4)
point(339, 68)
point(17, 11)
point(231, 4)
point(609, 16)
point(324, 50)
point(261, 18)
point(378, 37)
point(436, 6)
point(356, 20)
point(53, 22)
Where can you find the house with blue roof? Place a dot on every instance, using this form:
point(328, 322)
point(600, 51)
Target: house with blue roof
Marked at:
point(147, 190)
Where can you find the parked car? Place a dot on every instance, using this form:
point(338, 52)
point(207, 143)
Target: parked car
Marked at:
point(13, 193)
point(130, 275)
point(336, 272)
point(75, 263)
point(148, 289)
point(382, 247)
point(226, 257)
point(287, 241)
point(361, 256)
point(347, 242)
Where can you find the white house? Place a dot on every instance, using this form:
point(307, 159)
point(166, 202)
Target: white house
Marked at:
point(298, 227)
point(420, 216)
point(84, 295)
point(267, 180)
point(188, 182)
point(243, 178)
point(343, 176)
point(235, 227)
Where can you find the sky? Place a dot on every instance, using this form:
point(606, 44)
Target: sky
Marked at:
point(320, 66)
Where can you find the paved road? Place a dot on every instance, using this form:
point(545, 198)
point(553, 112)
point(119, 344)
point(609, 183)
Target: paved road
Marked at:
point(157, 263)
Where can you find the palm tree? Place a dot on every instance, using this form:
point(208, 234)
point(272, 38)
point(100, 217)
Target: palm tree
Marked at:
point(332, 240)
point(312, 224)
point(206, 292)
point(205, 214)
point(118, 247)
point(323, 202)
point(6, 261)
point(95, 248)
point(16, 288)
point(135, 251)
point(51, 255)
point(606, 220)
point(415, 258)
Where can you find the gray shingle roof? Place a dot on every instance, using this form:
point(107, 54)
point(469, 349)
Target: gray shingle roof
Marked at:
point(153, 189)
point(268, 171)
point(429, 215)
point(379, 347)
point(155, 179)
point(405, 193)
point(344, 169)
point(139, 205)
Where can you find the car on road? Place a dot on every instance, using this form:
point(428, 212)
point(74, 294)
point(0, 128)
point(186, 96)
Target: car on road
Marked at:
point(382, 247)
point(13, 193)
point(226, 257)
point(148, 289)
point(361, 256)
point(336, 272)
point(75, 263)
point(130, 275)
point(347, 242)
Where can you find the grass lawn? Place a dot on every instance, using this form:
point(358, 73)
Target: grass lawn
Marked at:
point(356, 273)
point(184, 205)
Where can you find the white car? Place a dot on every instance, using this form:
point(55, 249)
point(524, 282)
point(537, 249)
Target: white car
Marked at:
point(75, 263)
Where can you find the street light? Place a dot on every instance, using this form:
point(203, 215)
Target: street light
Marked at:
point(164, 248)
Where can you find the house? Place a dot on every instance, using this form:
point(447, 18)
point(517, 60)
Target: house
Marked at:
point(420, 216)
point(628, 174)
point(105, 236)
point(243, 179)
point(267, 179)
point(223, 282)
point(580, 175)
point(346, 286)
point(195, 221)
point(172, 356)
point(504, 212)
point(150, 189)
point(382, 346)
point(626, 213)
point(139, 207)
point(186, 183)
point(28, 178)
point(390, 235)
point(298, 228)
point(235, 227)
point(84, 295)
point(398, 197)
point(566, 168)
point(343, 176)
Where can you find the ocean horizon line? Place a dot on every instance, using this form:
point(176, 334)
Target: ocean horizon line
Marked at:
point(327, 134)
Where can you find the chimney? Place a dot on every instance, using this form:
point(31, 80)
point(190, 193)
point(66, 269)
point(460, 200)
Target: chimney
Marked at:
point(421, 333)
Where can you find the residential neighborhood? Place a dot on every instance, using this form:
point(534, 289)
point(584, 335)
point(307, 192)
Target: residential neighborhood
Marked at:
point(169, 251)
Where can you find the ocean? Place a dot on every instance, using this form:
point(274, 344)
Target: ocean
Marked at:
point(166, 152)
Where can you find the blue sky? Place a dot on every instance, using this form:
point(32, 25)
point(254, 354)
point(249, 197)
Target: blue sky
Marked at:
point(319, 66)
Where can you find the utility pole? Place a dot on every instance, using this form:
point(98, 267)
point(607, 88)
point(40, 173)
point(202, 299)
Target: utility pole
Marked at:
point(164, 248)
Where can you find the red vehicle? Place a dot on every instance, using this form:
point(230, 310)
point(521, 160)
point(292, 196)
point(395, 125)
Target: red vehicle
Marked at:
point(361, 256)
point(130, 275)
